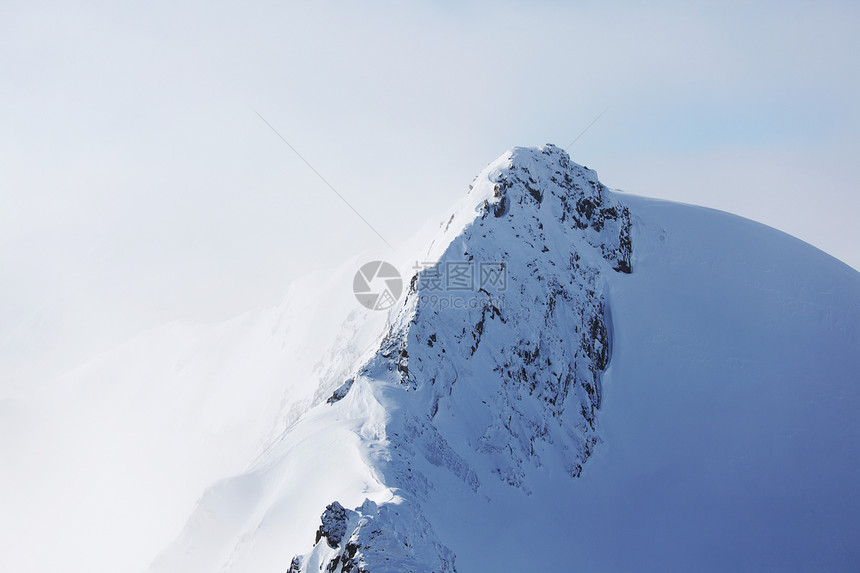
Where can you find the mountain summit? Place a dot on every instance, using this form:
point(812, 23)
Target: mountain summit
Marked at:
point(576, 379)
point(494, 360)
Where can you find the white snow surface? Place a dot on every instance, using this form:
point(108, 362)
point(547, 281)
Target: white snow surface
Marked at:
point(722, 435)
point(102, 468)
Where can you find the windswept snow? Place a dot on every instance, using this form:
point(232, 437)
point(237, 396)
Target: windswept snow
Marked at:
point(104, 466)
point(657, 387)
point(720, 437)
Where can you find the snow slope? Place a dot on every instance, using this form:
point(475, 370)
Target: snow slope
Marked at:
point(731, 439)
point(722, 434)
point(102, 467)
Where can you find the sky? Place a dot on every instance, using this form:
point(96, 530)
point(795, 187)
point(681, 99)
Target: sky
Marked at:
point(139, 184)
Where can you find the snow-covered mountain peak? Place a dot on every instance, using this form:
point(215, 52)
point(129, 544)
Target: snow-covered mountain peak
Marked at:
point(502, 303)
point(545, 159)
point(476, 432)
point(531, 187)
point(491, 371)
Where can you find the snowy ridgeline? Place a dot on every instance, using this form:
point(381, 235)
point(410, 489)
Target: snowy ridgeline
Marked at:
point(487, 383)
point(486, 389)
point(625, 384)
point(631, 385)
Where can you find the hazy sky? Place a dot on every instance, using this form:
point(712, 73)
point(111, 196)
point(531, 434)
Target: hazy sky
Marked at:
point(138, 185)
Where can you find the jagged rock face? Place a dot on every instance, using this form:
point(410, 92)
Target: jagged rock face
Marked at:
point(502, 369)
point(574, 197)
point(393, 538)
point(333, 526)
point(527, 351)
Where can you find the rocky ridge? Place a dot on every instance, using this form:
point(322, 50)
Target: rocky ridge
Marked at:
point(494, 361)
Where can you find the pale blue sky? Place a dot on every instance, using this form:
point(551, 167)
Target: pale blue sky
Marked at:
point(138, 186)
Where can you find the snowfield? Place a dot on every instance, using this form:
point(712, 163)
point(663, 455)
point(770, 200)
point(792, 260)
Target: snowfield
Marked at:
point(655, 387)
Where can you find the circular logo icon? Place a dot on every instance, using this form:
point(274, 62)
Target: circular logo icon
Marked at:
point(377, 285)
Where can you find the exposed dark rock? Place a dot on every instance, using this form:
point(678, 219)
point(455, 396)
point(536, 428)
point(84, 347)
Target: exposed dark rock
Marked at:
point(341, 391)
point(333, 526)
